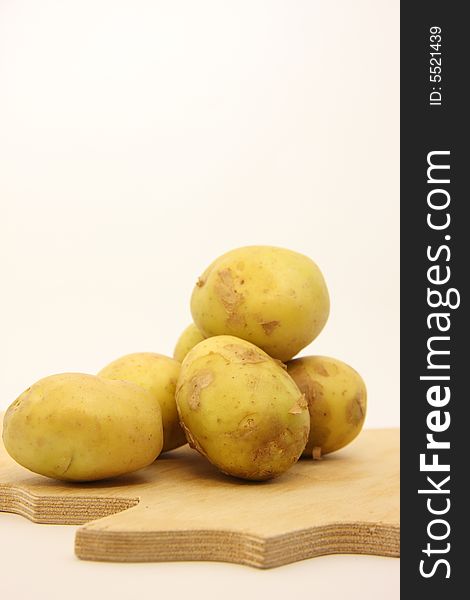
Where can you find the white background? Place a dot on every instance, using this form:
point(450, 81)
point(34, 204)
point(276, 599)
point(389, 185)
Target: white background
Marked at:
point(141, 139)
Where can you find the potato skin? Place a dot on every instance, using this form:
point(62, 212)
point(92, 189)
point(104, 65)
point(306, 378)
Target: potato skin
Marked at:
point(275, 298)
point(158, 374)
point(187, 340)
point(241, 409)
point(337, 400)
point(78, 427)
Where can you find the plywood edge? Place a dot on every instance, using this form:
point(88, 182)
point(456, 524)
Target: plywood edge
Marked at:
point(226, 546)
point(60, 510)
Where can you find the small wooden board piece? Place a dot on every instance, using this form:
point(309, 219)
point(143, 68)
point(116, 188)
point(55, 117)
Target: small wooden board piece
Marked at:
point(182, 508)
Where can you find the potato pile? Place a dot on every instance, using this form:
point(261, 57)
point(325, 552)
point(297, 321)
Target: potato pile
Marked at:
point(227, 390)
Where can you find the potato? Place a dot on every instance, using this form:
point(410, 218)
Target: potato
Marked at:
point(240, 409)
point(272, 297)
point(337, 398)
point(78, 427)
point(187, 340)
point(157, 374)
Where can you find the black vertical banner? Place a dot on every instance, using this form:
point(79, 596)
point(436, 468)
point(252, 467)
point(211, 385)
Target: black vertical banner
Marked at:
point(435, 259)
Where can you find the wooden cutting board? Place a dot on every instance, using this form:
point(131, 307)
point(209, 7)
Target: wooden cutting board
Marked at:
point(182, 508)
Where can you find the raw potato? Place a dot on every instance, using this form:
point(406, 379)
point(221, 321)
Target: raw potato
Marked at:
point(186, 342)
point(78, 427)
point(240, 408)
point(157, 374)
point(337, 398)
point(272, 297)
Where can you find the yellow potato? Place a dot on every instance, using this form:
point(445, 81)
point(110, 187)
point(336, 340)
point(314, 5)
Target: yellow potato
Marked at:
point(78, 427)
point(157, 374)
point(272, 297)
point(240, 409)
point(337, 399)
point(187, 340)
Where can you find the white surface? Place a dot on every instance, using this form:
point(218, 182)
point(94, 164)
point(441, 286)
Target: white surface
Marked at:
point(40, 564)
point(138, 141)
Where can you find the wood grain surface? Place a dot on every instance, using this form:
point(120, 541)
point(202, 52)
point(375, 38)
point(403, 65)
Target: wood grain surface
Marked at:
point(182, 508)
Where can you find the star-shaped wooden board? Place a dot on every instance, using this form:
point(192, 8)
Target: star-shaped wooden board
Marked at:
point(182, 508)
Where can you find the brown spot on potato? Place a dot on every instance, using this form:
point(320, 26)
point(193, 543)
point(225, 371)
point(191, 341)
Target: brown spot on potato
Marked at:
point(193, 443)
point(355, 410)
point(230, 298)
point(276, 440)
point(246, 427)
point(270, 326)
point(200, 282)
point(245, 355)
point(320, 369)
point(198, 383)
point(299, 406)
point(312, 389)
point(263, 455)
